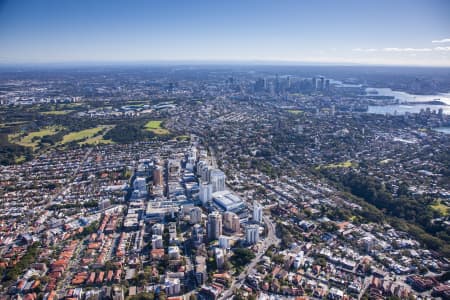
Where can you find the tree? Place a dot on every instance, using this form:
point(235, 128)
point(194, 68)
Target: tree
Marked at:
point(143, 296)
point(242, 256)
point(278, 259)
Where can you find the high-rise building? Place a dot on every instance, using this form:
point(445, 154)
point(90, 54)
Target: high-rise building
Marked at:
point(277, 85)
point(140, 184)
point(214, 225)
point(224, 242)
point(217, 180)
point(190, 163)
point(260, 85)
point(195, 215)
point(200, 270)
point(205, 193)
point(252, 233)
point(158, 229)
point(220, 257)
point(202, 170)
point(157, 241)
point(321, 84)
point(327, 85)
point(231, 222)
point(197, 234)
point(158, 176)
point(314, 83)
point(257, 212)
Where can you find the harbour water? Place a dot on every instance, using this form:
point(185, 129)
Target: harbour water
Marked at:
point(401, 109)
point(405, 100)
point(442, 129)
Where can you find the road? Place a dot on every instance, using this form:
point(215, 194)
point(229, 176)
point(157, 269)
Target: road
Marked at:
point(213, 157)
point(61, 190)
point(366, 284)
point(71, 269)
point(270, 240)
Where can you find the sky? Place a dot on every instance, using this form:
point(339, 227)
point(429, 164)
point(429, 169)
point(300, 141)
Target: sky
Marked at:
point(381, 32)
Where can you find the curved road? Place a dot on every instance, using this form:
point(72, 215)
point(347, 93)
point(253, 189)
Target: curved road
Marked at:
point(270, 240)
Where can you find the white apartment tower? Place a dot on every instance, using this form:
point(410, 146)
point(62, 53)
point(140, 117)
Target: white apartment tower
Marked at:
point(217, 179)
point(252, 234)
point(205, 193)
point(257, 212)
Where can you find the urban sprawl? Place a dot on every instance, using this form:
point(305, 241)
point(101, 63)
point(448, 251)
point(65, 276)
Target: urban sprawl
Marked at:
point(186, 183)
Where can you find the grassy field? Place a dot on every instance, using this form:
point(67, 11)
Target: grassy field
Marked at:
point(73, 105)
point(20, 159)
point(155, 127)
point(32, 139)
point(57, 112)
point(440, 207)
point(344, 164)
point(295, 111)
point(183, 138)
point(96, 140)
point(12, 124)
point(85, 135)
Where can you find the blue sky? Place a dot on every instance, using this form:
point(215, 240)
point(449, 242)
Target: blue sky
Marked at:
point(399, 32)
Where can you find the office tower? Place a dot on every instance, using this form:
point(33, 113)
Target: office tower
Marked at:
point(252, 233)
point(203, 170)
point(214, 225)
point(314, 83)
point(277, 85)
point(321, 84)
point(327, 84)
point(217, 180)
point(158, 176)
point(195, 215)
point(197, 234)
point(220, 257)
point(260, 85)
point(257, 212)
point(190, 163)
point(205, 193)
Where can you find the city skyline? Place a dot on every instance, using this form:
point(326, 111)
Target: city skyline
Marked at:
point(310, 32)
